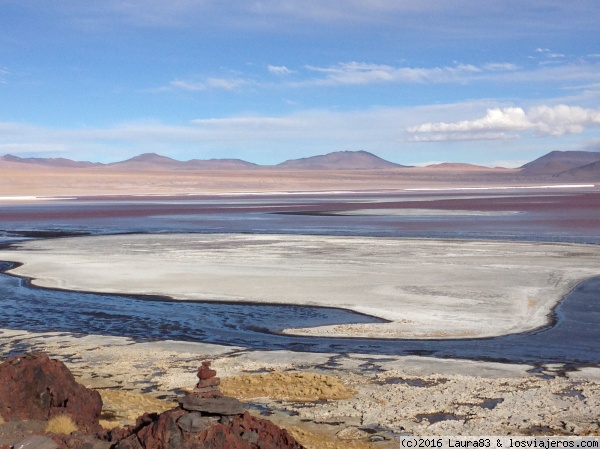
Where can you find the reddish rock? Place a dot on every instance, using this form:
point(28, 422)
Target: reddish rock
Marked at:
point(33, 386)
point(211, 406)
point(208, 384)
point(237, 432)
point(203, 422)
point(204, 372)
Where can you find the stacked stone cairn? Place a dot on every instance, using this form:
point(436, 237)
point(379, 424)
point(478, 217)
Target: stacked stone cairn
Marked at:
point(207, 398)
point(205, 419)
point(208, 383)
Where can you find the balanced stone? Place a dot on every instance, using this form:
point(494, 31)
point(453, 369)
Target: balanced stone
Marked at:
point(208, 384)
point(214, 406)
point(204, 371)
point(212, 382)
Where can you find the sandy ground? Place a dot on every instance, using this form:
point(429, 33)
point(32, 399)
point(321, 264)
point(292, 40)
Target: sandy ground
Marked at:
point(426, 288)
point(18, 179)
point(361, 399)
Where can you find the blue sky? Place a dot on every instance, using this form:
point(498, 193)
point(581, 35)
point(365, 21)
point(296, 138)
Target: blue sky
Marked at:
point(495, 82)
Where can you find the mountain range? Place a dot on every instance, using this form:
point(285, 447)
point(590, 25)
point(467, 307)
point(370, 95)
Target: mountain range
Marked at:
point(559, 164)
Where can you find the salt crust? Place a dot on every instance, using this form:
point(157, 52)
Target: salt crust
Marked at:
point(426, 288)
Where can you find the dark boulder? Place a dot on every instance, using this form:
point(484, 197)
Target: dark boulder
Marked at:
point(33, 386)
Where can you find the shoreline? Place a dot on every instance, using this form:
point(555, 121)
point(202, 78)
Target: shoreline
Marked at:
point(265, 193)
point(553, 343)
point(460, 266)
point(552, 317)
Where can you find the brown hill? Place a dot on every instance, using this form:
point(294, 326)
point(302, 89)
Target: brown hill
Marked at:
point(59, 162)
point(153, 161)
point(340, 160)
point(557, 162)
point(146, 161)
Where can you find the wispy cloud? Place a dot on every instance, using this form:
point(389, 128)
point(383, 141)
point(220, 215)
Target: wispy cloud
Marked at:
point(279, 70)
point(356, 73)
point(500, 67)
point(208, 84)
point(359, 73)
point(504, 123)
point(547, 53)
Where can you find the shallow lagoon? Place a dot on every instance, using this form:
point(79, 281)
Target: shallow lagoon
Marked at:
point(571, 339)
point(530, 216)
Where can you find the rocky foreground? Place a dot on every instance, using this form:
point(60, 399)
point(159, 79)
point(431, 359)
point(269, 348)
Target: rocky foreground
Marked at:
point(35, 388)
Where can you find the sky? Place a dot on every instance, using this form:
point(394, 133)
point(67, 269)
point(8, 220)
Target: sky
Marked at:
point(494, 82)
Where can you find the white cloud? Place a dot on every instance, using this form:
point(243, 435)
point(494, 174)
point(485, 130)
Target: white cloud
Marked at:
point(500, 67)
point(546, 52)
point(503, 123)
point(188, 85)
point(360, 73)
point(208, 84)
point(226, 83)
point(562, 119)
point(356, 73)
point(279, 70)
point(505, 119)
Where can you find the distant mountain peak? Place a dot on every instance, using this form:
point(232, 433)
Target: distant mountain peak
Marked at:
point(11, 158)
point(340, 160)
point(559, 161)
point(150, 157)
point(60, 162)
